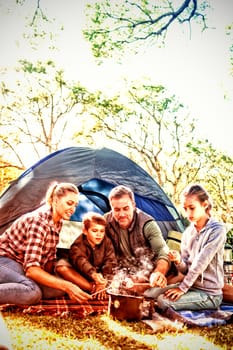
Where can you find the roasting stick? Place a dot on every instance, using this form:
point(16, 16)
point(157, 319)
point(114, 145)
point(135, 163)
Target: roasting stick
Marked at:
point(99, 291)
point(137, 284)
point(141, 284)
point(131, 286)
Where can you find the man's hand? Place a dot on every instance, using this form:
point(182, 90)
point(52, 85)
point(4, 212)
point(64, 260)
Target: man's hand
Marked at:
point(174, 255)
point(157, 279)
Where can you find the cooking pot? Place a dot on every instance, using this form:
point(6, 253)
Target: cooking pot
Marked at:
point(125, 307)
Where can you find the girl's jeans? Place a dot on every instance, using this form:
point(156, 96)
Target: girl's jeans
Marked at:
point(16, 288)
point(194, 299)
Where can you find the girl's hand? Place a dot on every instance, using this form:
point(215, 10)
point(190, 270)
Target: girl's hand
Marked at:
point(174, 255)
point(173, 294)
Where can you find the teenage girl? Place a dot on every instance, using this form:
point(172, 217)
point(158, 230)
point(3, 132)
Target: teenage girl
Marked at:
point(201, 258)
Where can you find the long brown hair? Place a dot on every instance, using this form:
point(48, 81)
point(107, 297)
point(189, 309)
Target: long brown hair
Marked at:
point(201, 194)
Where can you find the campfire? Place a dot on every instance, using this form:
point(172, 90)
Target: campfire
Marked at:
point(126, 299)
point(125, 283)
point(126, 288)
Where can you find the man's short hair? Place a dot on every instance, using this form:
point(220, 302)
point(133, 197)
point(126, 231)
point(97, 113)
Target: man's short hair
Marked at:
point(120, 191)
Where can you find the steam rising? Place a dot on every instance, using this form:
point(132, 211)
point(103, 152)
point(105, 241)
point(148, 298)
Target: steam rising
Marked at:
point(132, 270)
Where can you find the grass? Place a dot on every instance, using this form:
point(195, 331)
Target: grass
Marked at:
point(39, 332)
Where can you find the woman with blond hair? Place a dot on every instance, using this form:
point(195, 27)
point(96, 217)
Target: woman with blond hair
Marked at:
point(28, 251)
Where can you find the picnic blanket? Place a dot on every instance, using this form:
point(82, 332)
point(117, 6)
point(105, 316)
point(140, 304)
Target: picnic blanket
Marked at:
point(62, 307)
point(208, 318)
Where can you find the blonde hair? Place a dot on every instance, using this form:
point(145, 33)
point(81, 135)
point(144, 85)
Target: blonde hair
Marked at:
point(59, 190)
point(95, 218)
point(200, 193)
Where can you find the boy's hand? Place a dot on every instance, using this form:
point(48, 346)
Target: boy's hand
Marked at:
point(100, 292)
point(99, 279)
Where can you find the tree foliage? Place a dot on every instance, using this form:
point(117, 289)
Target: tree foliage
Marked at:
point(229, 32)
point(8, 173)
point(216, 174)
point(156, 131)
point(42, 117)
point(144, 122)
point(115, 25)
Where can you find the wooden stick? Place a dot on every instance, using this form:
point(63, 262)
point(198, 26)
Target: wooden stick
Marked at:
point(99, 291)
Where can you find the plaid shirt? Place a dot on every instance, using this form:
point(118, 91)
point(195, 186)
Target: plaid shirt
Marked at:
point(32, 239)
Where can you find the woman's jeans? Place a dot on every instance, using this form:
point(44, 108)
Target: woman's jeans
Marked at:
point(194, 299)
point(16, 288)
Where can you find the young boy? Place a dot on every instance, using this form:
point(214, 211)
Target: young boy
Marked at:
point(91, 256)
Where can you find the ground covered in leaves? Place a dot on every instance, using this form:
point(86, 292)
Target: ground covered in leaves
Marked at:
point(102, 332)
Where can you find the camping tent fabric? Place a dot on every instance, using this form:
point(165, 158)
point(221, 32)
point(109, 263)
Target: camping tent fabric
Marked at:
point(95, 172)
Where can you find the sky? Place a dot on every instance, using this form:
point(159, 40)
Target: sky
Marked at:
point(193, 67)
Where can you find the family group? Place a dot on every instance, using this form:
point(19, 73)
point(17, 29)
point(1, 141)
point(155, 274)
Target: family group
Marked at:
point(30, 269)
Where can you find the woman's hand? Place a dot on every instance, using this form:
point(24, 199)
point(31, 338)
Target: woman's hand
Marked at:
point(76, 293)
point(173, 294)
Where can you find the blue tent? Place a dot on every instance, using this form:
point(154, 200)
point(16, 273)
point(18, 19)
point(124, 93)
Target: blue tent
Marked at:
point(95, 172)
